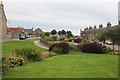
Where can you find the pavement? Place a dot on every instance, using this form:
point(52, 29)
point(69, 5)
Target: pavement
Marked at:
point(28, 38)
point(116, 46)
point(37, 43)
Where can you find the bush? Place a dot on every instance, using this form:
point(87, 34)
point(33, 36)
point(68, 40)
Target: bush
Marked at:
point(115, 53)
point(30, 54)
point(54, 38)
point(47, 38)
point(70, 39)
point(85, 41)
point(90, 48)
point(9, 62)
point(78, 40)
point(61, 48)
point(73, 47)
point(62, 39)
point(106, 50)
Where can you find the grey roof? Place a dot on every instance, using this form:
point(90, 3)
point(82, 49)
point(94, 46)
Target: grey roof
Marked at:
point(29, 31)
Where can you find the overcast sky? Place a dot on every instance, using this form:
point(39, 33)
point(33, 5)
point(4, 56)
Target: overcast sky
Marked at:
point(60, 14)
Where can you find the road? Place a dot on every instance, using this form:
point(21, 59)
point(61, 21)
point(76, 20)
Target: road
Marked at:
point(116, 46)
point(29, 38)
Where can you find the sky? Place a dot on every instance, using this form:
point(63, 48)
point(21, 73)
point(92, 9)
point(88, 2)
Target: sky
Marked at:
point(70, 15)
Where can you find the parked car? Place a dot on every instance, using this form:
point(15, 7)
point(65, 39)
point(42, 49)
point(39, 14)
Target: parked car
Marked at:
point(110, 42)
point(26, 34)
point(22, 37)
point(98, 42)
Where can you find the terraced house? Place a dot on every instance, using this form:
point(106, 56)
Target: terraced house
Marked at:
point(92, 33)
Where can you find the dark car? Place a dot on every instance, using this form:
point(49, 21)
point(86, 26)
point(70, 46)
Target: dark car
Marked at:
point(22, 37)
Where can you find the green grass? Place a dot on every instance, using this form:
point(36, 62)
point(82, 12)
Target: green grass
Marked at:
point(73, 65)
point(8, 47)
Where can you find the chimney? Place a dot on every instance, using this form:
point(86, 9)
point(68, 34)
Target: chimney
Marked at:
point(108, 24)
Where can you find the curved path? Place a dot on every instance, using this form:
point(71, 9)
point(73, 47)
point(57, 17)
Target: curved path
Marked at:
point(37, 43)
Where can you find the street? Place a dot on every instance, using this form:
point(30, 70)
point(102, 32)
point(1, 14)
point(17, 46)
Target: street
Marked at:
point(116, 46)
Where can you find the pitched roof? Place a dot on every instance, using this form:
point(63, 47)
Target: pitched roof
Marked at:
point(29, 31)
point(15, 29)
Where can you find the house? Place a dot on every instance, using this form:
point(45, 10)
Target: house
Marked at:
point(92, 33)
point(29, 32)
point(38, 32)
point(14, 32)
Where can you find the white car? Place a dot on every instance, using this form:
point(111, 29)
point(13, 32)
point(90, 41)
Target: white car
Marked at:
point(109, 42)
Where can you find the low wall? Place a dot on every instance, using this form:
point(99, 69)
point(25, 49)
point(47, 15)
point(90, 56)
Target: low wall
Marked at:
point(5, 39)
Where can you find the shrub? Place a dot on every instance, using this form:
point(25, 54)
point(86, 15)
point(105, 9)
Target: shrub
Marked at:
point(54, 38)
point(62, 39)
point(115, 53)
point(58, 49)
point(61, 48)
point(73, 47)
point(90, 48)
point(70, 39)
point(30, 54)
point(106, 50)
point(78, 40)
point(47, 38)
point(85, 41)
point(9, 62)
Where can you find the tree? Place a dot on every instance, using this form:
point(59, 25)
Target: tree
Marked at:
point(59, 32)
point(53, 32)
point(63, 32)
point(114, 35)
point(47, 34)
point(102, 37)
point(69, 34)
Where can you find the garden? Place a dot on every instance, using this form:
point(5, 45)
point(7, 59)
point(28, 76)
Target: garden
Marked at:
point(66, 58)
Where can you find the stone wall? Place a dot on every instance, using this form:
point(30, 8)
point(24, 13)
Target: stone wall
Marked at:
point(3, 25)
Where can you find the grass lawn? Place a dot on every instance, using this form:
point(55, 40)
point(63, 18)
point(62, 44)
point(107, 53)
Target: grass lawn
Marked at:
point(8, 47)
point(73, 65)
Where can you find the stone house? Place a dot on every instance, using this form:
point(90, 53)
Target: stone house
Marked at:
point(30, 32)
point(38, 32)
point(92, 33)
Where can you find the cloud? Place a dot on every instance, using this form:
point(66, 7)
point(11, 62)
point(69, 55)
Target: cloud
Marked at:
point(62, 15)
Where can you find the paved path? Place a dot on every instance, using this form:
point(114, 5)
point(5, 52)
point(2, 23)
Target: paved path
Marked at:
point(37, 43)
